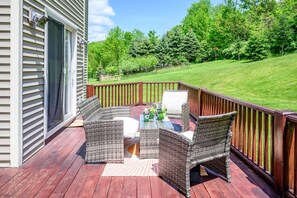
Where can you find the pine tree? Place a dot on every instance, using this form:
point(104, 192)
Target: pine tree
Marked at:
point(190, 46)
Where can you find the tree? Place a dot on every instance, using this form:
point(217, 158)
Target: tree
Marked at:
point(94, 58)
point(190, 46)
point(162, 52)
point(198, 19)
point(116, 45)
point(257, 48)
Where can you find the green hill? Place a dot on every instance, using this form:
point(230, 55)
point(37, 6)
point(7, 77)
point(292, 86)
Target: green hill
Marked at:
point(271, 83)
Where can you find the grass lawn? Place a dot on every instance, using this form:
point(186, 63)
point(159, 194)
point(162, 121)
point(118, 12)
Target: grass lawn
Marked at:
point(271, 83)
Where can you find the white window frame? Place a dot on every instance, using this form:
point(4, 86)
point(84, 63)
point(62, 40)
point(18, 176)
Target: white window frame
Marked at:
point(73, 28)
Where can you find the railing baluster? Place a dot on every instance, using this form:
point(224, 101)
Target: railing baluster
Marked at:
point(295, 159)
point(250, 134)
point(272, 143)
point(255, 136)
point(244, 132)
point(266, 153)
point(260, 149)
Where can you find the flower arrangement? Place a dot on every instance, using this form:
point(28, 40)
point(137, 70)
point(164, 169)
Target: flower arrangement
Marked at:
point(162, 113)
point(150, 113)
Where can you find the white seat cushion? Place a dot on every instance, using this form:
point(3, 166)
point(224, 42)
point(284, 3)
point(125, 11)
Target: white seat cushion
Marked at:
point(130, 126)
point(173, 101)
point(188, 134)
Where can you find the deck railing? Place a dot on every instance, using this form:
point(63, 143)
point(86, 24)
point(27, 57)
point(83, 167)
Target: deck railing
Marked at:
point(264, 138)
point(137, 93)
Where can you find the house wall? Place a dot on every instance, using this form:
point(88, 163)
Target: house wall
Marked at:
point(33, 70)
point(4, 83)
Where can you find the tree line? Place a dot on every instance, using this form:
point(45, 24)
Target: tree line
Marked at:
point(235, 29)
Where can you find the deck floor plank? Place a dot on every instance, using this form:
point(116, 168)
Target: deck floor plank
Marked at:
point(102, 187)
point(59, 170)
point(33, 168)
point(200, 191)
point(130, 187)
point(68, 178)
point(91, 181)
point(7, 175)
point(143, 187)
point(156, 187)
point(67, 155)
point(53, 181)
point(116, 187)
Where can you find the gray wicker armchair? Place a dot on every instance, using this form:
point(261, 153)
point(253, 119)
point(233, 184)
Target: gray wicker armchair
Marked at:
point(176, 102)
point(209, 145)
point(104, 136)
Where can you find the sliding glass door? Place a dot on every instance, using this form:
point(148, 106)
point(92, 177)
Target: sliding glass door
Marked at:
point(68, 49)
point(59, 78)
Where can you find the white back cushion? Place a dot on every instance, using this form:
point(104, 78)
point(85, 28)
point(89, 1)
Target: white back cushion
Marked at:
point(130, 126)
point(173, 100)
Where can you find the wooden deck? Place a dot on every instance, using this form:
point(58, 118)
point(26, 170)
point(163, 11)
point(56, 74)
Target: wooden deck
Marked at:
point(58, 170)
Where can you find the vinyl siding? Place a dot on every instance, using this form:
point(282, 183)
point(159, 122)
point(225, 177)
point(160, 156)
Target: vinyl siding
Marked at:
point(4, 83)
point(34, 63)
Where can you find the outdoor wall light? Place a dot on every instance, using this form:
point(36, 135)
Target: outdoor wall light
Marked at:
point(37, 19)
point(81, 41)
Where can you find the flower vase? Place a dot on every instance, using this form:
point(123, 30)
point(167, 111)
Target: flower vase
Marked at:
point(146, 117)
point(151, 117)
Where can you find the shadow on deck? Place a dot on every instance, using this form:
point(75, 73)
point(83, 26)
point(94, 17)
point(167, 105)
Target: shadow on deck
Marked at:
point(59, 170)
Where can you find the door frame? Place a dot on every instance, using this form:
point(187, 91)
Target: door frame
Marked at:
point(73, 28)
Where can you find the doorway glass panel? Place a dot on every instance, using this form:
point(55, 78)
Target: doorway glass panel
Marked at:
point(59, 76)
point(68, 73)
point(55, 73)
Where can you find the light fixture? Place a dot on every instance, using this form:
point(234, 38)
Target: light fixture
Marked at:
point(81, 41)
point(37, 19)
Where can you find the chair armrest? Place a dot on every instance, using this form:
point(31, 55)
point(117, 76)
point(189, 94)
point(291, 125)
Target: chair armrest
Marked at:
point(185, 117)
point(104, 131)
point(173, 146)
point(119, 111)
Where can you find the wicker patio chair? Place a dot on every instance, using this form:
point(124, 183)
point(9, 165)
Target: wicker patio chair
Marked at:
point(208, 145)
point(104, 135)
point(176, 102)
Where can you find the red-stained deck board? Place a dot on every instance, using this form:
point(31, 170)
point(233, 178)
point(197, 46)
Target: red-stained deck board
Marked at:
point(54, 180)
point(212, 187)
point(144, 187)
point(68, 178)
point(7, 175)
point(77, 185)
point(116, 187)
point(156, 187)
point(200, 191)
point(59, 170)
point(67, 155)
point(91, 181)
point(102, 187)
point(130, 187)
point(27, 174)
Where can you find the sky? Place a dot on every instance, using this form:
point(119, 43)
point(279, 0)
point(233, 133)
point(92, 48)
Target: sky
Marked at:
point(145, 15)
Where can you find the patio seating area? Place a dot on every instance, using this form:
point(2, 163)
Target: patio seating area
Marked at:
point(59, 170)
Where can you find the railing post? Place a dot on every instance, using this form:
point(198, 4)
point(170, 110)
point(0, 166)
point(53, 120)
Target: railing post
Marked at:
point(280, 152)
point(90, 91)
point(199, 103)
point(178, 85)
point(140, 93)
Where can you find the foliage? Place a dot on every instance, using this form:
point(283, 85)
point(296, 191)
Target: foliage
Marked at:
point(270, 82)
point(140, 64)
point(257, 48)
point(94, 58)
point(235, 29)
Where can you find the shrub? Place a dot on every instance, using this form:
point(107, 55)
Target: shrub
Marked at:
point(141, 64)
point(111, 70)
